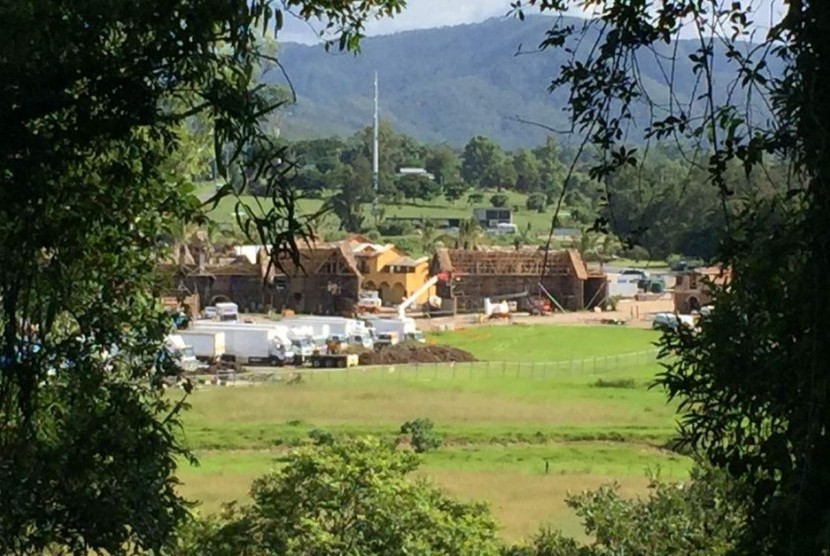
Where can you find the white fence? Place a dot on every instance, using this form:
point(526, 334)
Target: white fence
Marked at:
point(538, 370)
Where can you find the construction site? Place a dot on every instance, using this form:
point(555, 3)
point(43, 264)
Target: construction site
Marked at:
point(521, 275)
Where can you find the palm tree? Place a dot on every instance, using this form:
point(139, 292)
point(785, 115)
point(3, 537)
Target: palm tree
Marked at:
point(523, 237)
point(602, 246)
point(431, 237)
point(469, 235)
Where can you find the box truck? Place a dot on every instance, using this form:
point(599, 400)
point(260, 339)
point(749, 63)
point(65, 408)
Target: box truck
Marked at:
point(208, 345)
point(250, 343)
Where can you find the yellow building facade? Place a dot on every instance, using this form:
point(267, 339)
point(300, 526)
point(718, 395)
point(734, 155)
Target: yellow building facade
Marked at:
point(389, 271)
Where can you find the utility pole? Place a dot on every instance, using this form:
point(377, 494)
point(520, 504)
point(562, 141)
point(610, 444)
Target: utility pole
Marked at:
point(375, 152)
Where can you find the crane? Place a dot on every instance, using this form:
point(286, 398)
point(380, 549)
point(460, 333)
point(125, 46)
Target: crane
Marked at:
point(442, 276)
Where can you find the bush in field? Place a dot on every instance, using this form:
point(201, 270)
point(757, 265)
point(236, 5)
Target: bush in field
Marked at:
point(351, 497)
point(537, 202)
point(395, 228)
point(422, 436)
point(499, 200)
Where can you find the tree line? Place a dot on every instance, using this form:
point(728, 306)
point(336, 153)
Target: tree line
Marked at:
point(663, 207)
point(96, 102)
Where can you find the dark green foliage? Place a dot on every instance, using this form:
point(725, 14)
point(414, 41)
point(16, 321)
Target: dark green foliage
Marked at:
point(475, 198)
point(351, 497)
point(753, 384)
point(498, 200)
point(422, 435)
point(395, 228)
point(699, 517)
point(537, 202)
point(549, 542)
point(321, 437)
point(107, 111)
point(446, 85)
point(616, 383)
point(454, 191)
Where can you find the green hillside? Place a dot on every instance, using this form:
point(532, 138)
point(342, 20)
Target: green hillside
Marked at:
point(451, 83)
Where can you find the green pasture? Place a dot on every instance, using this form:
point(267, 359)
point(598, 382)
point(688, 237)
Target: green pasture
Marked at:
point(518, 342)
point(518, 436)
point(438, 208)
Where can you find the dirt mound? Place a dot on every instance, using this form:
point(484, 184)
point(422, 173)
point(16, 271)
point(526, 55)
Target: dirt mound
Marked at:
point(415, 353)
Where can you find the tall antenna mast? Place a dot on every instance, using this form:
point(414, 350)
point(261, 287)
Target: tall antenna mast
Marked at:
point(375, 144)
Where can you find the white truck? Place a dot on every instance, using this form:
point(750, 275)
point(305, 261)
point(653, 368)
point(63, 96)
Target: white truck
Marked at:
point(354, 331)
point(405, 328)
point(181, 353)
point(227, 312)
point(251, 343)
point(208, 345)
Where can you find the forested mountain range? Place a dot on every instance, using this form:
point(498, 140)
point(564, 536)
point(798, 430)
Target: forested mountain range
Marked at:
point(449, 84)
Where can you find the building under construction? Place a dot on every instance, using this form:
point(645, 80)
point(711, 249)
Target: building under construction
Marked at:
point(519, 275)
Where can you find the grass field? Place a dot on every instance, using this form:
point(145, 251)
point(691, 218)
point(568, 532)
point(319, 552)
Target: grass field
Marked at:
point(500, 423)
point(437, 208)
point(546, 343)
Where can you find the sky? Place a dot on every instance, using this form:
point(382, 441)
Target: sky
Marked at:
point(425, 14)
point(418, 14)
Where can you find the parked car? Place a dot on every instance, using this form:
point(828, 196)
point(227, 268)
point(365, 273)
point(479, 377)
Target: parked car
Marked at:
point(209, 313)
point(638, 272)
point(683, 266)
point(670, 321)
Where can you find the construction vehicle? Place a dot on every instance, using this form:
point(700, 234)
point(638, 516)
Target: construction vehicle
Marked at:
point(406, 303)
point(404, 328)
point(334, 356)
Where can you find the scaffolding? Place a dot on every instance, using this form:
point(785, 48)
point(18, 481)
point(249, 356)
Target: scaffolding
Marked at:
point(494, 273)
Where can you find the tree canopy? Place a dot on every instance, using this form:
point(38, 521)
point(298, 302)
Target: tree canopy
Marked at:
point(754, 384)
point(98, 106)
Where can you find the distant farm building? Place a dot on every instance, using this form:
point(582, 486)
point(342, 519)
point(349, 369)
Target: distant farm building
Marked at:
point(491, 217)
point(510, 273)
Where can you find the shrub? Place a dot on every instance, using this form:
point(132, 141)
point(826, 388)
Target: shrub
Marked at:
point(637, 253)
point(616, 383)
point(395, 228)
point(422, 436)
point(350, 497)
point(499, 200)
point(537, 202)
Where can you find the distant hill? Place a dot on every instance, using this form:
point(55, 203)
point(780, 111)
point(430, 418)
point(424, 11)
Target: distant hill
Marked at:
point(451, 83)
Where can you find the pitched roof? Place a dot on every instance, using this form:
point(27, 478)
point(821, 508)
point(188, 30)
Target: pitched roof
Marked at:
point(312, 258)
point(509, 262)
